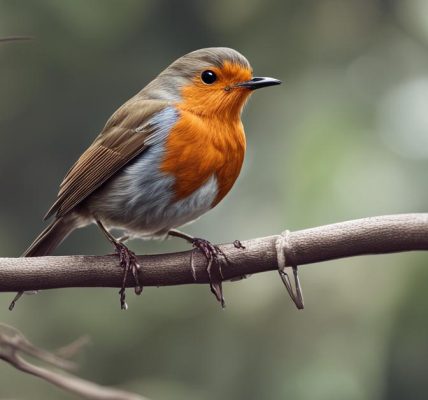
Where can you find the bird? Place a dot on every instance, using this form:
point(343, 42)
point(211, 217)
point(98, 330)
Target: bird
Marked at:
point(168, 155)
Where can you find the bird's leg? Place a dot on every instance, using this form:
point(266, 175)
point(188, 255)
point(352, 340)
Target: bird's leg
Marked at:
point(128, 261)
point(213, 254)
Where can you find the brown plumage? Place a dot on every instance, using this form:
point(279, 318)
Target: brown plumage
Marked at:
point(117, 144)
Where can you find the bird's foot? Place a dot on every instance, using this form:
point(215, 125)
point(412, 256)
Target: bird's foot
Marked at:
point(128, 261)
point(213, 254)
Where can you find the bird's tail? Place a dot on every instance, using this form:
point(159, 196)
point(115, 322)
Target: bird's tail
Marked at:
point(51, 237)
point(47, 241)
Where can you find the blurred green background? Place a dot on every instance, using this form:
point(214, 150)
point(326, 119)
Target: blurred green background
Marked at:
point(345, 137)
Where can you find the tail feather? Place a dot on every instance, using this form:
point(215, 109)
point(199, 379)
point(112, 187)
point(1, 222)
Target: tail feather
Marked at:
point(51, 237)
point(47, 241)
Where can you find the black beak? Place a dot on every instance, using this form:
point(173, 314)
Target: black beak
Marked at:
point(258, 82)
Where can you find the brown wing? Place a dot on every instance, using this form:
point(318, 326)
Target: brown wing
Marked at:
point(122, 139)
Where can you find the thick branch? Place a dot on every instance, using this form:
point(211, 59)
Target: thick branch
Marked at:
point(376, 235)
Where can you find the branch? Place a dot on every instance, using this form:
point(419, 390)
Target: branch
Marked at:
point(15, 38)
point(376, 235)
point(12, 343)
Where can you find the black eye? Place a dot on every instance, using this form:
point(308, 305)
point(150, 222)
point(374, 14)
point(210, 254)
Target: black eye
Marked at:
point(208, 77)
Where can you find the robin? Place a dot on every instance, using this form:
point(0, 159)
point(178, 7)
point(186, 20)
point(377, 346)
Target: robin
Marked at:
point(165, 157)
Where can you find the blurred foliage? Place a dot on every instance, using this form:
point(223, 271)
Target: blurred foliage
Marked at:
point(346, 136)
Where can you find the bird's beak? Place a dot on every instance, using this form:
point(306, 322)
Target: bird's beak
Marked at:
point(258, 82)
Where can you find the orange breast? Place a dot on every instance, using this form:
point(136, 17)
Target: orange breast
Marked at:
point(200, 146)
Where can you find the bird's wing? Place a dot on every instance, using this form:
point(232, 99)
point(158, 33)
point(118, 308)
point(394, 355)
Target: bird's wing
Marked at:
point(126, 134)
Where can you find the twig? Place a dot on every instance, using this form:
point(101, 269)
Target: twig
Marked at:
point(71, 349)
point(12, 343)
point(15, 38)
point(376, 235)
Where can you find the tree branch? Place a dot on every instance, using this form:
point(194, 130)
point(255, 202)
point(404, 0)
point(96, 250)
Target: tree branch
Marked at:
point(15, 38)
point(376, 235)
point(13, 343)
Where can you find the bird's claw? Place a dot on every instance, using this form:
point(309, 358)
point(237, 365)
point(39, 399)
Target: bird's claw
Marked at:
point(128, 261)
point(213, 254)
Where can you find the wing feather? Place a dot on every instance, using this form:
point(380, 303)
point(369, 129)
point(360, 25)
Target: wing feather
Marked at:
point(123, 138)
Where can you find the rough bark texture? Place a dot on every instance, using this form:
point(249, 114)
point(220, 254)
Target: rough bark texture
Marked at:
point(376, 235)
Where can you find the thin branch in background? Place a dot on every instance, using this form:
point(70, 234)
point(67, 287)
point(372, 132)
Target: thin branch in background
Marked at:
point(73, 348)
point(13, 344)
point(15, 39)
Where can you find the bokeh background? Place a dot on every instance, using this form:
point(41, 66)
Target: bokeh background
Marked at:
point(346, 136)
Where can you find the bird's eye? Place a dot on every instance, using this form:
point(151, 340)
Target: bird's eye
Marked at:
point(208, 77)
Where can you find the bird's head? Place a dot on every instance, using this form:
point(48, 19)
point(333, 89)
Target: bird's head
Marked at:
point(215, 81)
